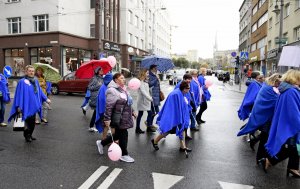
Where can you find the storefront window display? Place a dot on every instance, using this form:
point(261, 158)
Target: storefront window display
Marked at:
point(42, 55)
point(15, 59)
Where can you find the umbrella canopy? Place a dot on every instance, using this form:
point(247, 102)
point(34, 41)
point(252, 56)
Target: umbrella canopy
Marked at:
point(86, 71)
point(125, 69)
point(163, 63)
point(290, 56)
point(51, 74)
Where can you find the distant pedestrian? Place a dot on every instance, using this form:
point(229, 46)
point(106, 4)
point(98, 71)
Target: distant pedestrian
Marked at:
point(39, 73)
point(144, 99)
point(94, 86)
point(4, 98)
point(28, 101)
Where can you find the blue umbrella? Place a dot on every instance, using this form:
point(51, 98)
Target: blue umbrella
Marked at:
point(163, 63)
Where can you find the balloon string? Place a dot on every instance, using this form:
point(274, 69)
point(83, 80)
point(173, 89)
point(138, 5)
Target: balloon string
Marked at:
point(109, 129)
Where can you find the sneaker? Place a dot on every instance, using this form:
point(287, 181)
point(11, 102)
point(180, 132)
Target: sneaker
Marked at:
point(93, 129)
point(100, 146)
point(127, 159)
point(3, 124)
point(151, 129)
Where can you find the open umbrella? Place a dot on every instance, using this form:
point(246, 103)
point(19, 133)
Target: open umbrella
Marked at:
point(163, 63)
point(86, 71)
point(290, 56)
point(51, 74)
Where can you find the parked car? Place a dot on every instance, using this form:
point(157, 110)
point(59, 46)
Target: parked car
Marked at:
point(209, 72)
point(224, 76)
point(70, 84)
point(176, 77)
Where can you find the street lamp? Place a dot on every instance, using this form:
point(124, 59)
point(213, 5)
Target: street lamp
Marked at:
point(279, 11)
point(153, 28)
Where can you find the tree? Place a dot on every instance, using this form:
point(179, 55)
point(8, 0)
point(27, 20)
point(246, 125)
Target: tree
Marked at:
point(181, 62)
point(195, 65)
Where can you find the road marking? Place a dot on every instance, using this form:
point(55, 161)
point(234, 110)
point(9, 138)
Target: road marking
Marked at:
point(89, 182)
point(165, 181)
point(110, 179)
point(227, 185)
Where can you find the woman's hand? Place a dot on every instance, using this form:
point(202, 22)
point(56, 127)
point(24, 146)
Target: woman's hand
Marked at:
point(134, 115)
point(107, 123)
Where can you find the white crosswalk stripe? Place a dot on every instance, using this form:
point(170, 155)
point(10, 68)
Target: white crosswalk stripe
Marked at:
point(89, 182)
point(110, 179)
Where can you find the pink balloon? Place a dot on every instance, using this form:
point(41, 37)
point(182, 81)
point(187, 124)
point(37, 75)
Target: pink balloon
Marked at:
point(134, 84)
point(208, 83)
point(112, 61)
point(114, 152)
point(104, 59)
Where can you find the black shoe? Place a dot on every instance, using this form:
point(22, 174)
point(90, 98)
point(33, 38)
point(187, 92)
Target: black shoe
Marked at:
point(262, 163)
point(28, 139)
point(32, 138)
point(139, 131)
point(294, 174)
point(151, 129)
point(185, 149)
point(202, 121)
point(83, 111)
point(194, 129)
point(155, 146)
point(188, 137)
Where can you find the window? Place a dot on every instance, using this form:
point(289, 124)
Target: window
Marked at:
point(297, 33)
point(92, 30)
point(254, 27)
point(14, 25)
point(270, 23)
point(150, 14)
point(129, 39)
point(12, 1)
point(142, 44)
point(136, 40)
point(269, 44)
point(254, 10)
point(261, 2)
point(297, 4)
point(129, 16)
point(142, 25)
point(277, 18)
point(261, 43)
point(142, 5)
point(262, 19)
point(286, 10)
point(93, 4)
point(41, 23)
point(136, 21)
point(253, 47)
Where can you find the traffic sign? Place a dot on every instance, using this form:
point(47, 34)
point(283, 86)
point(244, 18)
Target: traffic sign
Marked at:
point(7, 71)
point(244, 55)
point(233, 54)
point(282, 40)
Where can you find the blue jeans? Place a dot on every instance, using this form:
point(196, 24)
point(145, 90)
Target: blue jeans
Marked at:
point(193, 119)
point(151, 114)
point(2, 110)
point(138, 119)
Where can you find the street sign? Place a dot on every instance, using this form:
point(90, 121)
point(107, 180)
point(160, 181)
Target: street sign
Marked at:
point(233, 54)
point(244, 55)
point(7, 71)
point(282, 40)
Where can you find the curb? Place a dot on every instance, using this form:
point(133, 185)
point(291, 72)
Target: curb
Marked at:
point(228, 87)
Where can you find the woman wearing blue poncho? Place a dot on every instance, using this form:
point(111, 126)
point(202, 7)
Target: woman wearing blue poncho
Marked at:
point(4, 98)
point(262, 114)
point(28, 101)
point(174, 116)
point(285, 128)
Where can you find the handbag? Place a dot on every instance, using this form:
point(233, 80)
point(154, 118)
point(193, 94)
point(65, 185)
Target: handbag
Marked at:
point(19, 124)
point(161, 96)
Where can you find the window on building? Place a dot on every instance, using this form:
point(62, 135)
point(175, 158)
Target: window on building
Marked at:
point(142, 25)
point(136, 41)
point(297, 4)
point(12, 1)
point(269, 44)
point(142, 5)
point(129, 39)
point(41, 23)
point(142, 44)
point(253, 47)
point(270, 23)
point(277, 18)
point(136, 21)
point(150, 15)
point(286, 10)
point(262, 19)
point(261, 2)
point(261, 43)
point(130, 16)
point(254, 27)
point(297, 33)
point(254, 10)
point(14, 25)
point(92, 30)
point(93, 4)
point(15, 59)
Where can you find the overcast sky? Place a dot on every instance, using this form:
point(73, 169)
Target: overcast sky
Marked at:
point(198, 23)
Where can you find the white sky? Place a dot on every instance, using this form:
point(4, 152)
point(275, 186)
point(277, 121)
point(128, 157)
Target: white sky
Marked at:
point(198, 22)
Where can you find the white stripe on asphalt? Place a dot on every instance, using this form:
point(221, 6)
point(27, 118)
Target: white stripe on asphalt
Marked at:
point(165, 181)
point(110, 179)
point(228, 185)
point(89, 182)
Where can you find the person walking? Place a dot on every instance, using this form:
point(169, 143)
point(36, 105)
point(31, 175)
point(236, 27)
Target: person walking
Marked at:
point(94, 86)
point(205, 95)
point(28, 101)
point(174, 116)
point(118, 101)
point(39, 73)
point(285, 127)
point(154, 86)
point(144, 99)
point(4, 98)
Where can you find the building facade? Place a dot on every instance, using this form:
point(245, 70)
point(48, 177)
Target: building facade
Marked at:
point(245, 26)
point(192, 55)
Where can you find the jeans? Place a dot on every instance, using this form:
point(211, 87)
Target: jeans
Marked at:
point(92, 123)
point(122, 136)
point(2, 110)
point(151, 114)
point(138, 119)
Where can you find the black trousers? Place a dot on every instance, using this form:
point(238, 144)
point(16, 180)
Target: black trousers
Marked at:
point(261, 150)
point(203, 107)
point(93, 119)
point(287, 152)
point(29, 126)
point(122, 136)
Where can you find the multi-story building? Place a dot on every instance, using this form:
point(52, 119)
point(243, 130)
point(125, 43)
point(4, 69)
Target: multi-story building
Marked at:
point(259, 35)
point(192, 55)
point(222, 59)
point(290, 29)
point(245, 26)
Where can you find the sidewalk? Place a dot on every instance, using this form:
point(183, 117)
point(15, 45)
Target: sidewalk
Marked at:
point(230, 85)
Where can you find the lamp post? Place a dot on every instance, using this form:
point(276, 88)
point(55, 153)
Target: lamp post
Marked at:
point(279, 11)
point(153, 26)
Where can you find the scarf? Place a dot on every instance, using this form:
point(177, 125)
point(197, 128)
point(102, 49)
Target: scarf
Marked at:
point(32, 81)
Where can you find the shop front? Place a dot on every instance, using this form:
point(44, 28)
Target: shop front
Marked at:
point(112, 49)
point(272, 60)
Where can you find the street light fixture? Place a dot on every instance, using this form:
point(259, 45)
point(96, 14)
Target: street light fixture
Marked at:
point(153, 28)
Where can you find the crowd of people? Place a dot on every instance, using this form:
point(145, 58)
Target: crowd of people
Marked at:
point(272, 108)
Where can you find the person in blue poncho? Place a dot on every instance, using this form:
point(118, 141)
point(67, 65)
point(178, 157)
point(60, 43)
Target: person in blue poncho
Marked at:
point(28, 101)
point(262, 114)
point(4, 98)
point(100, 106)
point(174, 116)
point(196, 90)
point(205, 95)
point(285, 128)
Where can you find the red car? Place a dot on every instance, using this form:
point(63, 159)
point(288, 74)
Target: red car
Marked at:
point(70, 84)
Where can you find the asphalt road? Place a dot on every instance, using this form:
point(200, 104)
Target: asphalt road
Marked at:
point(65, 154)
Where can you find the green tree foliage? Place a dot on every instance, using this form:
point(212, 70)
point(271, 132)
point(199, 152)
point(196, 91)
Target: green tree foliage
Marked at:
point(181, 62)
